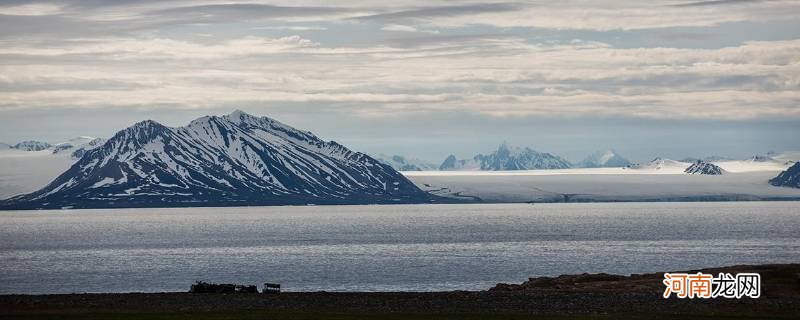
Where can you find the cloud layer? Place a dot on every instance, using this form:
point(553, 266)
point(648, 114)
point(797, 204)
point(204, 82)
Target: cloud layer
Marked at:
point(543, 59)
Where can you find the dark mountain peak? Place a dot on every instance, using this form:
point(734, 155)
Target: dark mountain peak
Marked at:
point(449, 163)
point(239, 116)
point(788, 178)
point(507, 157)
point(503, 149)
point(139, 133)
point(146, 124)
point(702, 167)
point(506, 150)
point(515, 158)
point(145, 127)
point(251, 122)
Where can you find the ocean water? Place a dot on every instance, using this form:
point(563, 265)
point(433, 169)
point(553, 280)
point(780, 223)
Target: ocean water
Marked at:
point(380, 248)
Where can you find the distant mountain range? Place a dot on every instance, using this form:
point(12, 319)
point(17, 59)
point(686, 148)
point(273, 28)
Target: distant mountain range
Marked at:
point(237, 159)
point(401, 163)
point(604, 159)
point(31, 145)
point(240, 159)
point(76, 146)
point(507, 158)
point(660, 164)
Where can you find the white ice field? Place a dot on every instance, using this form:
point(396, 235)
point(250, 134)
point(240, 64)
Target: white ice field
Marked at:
point(660, 180)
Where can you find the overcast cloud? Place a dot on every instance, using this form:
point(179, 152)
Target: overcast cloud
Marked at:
point(365, 73)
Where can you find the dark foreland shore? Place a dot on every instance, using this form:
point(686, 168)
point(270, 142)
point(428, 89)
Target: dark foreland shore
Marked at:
point(594, 296)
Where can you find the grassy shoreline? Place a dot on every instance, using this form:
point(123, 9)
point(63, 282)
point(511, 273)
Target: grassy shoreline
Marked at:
point(565, 297)
point(389, 306)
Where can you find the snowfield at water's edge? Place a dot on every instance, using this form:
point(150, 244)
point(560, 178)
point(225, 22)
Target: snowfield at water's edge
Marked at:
point(659, 180)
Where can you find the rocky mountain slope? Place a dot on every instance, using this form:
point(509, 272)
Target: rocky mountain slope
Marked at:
point(702, 167)
point(237, 159)
point(507, 158)
point(401, 163)
point(32, 145)
point(788, 178)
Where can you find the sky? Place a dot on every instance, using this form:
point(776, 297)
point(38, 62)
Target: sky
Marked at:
point(422, 79)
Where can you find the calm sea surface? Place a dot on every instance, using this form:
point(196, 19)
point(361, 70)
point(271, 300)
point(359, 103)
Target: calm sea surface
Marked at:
point(376, 248)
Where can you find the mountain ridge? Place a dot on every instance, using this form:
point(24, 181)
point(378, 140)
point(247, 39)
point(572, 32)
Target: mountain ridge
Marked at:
point(702, 167)
point(236, 159)
point(788, 178)
point(401, 163)
point(507, 158)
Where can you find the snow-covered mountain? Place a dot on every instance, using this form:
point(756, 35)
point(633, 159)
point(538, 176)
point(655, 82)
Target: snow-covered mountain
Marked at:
point(32, 145)
point(78, 146)
point(507, 158)
point(401, 163)
point(237, 159)
point(82, 143)
point(452, 164)
point(80, 149)
point(71, 143)
point(604, 159)
point(702, 167)
point(788, 178)
point(661, 164)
